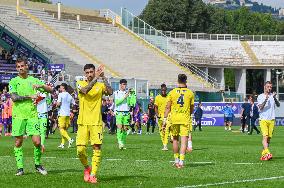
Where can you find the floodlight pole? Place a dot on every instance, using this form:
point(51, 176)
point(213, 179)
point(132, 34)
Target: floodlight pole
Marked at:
point(277, 82)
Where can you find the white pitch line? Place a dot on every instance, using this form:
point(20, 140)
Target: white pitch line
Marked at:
point(233, 182)
point(49, 157)
point(202, 162)
point(246, 163)
point(142, 160)
point(113, 159)
point(197, 162)
point(5, 156)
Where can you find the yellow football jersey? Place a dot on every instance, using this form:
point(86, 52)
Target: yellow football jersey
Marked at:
point(182, 99)
point(90, 104)
point(161, 103)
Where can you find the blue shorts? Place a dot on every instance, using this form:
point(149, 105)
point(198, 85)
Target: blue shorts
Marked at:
point(228, 119)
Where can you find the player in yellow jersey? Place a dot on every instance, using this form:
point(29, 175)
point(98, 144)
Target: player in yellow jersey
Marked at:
point(181, 105)
point(160, 106)
point(90, 125)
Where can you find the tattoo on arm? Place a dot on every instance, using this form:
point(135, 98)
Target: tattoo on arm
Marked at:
point(276, 102)
point(16, 97)
point(86, 89)
point(261, 106)
point(109, 90)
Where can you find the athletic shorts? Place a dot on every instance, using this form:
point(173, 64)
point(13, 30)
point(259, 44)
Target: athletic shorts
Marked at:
point(64, 122)
point(267, 127)
point(137, 118)
point(92, 133)
point(25, 126)
point(122, 118)
point(228, 119)
point(42, 118)
point(180, 129)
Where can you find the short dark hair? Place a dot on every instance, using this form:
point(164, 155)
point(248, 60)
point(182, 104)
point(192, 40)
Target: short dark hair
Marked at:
point(64, 86)
point(20, 59)
point(182, 78)
point(123, 81)
point(267, 82)
point(163, 85)
point(89, 66)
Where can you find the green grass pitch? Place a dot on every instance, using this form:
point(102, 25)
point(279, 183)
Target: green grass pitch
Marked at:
point(218, 156)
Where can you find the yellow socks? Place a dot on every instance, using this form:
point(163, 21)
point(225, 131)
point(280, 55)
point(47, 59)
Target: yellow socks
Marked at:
point(81, 152)
point(96, 161)
point(65, 135)
point(265, 151)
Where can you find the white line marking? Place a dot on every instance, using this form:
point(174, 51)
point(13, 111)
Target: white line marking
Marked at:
point(197, 162)
point(74, 158)
point(142, 160)
point(202, 162)
point(233, 182)
point(5, 156)
point(113, 159)
point(246, 163)
point(49, 157)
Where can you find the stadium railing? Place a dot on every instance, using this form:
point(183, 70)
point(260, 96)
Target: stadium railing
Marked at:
point(205, 36)
point(159, 40)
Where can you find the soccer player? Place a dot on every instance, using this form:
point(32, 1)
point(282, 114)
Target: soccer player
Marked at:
point(228, 116)
point(181, 105)
point(198, 116)
point(122, 108)
point(42, 108)
point(90, 125)
point(64, 102)
point(160, 106)
point(151, 114)
point(254, 115)
point(23, 90)
point(266, 104)
point(245, 115)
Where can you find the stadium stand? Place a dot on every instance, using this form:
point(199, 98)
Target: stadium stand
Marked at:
point(96, 42)
point(230, 53)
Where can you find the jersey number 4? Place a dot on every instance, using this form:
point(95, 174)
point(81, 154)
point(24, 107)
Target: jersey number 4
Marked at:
point(180, 100)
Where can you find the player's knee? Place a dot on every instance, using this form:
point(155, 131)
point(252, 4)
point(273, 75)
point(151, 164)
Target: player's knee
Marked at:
point(18, 142)
point(81, 150)
point(97, 146)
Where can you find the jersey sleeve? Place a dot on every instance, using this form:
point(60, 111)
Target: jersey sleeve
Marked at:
point(260, 100)
point(156, 101)
point(103, 88)
point(79, 86)
point(192, 99)
point(12, 86)
point(59, 97)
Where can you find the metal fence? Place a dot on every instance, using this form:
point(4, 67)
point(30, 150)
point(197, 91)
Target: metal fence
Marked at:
point(158, 39)
point(205, 36)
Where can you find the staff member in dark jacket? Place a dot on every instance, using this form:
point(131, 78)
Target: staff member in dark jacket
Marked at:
point(198, 115)
point(254, 115)
point(245, 115)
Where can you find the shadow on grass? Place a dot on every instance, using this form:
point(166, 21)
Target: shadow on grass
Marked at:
point(122, 178)
point(278, 158)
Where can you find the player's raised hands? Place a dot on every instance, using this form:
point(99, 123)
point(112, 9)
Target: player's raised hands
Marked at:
point(99, 71)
